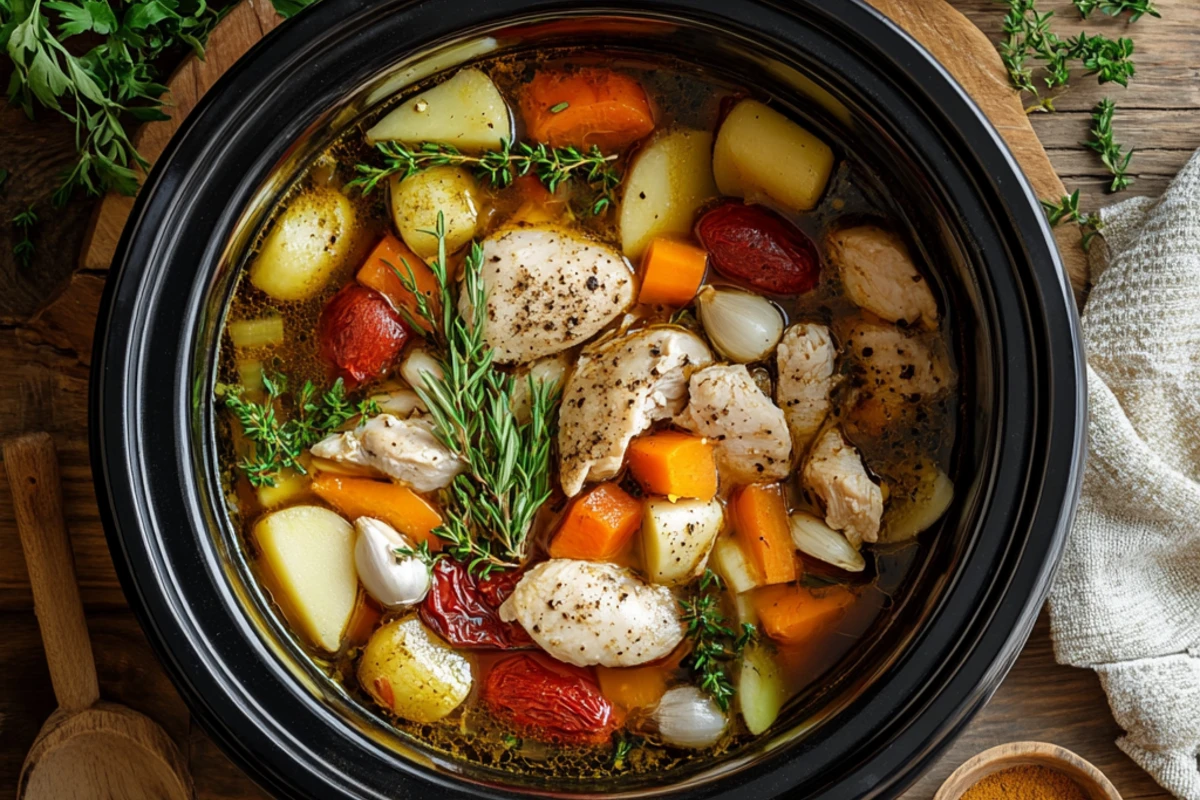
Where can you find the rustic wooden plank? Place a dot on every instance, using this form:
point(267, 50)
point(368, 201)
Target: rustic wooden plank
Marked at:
point(128, 671)
point(1143, 129)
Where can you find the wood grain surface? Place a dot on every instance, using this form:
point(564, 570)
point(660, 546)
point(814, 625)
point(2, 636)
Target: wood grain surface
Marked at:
point(46, 319)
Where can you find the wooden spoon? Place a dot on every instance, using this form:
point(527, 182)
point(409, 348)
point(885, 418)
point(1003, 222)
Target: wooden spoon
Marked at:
point(88, 749)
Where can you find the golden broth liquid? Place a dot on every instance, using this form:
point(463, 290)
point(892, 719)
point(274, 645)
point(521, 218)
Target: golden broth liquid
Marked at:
point(680, 95)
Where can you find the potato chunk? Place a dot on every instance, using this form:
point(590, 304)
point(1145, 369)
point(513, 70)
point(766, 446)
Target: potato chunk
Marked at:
point(761, 152)
point(677, 537)
point(669, 180)
point(408, 670)
point(308, 241)
point(416, 202)
point(466, 111)
point(307, 555)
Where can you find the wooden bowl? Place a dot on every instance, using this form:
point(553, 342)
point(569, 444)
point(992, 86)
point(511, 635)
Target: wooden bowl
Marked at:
point(1015, 754)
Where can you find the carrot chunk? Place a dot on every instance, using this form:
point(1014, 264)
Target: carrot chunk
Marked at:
point(671, 272)
point(795, 614)
point(377, 273)
point(761, 522)
point(674, 463)
point(598, 525)
point(586, 107)
point(397, 505)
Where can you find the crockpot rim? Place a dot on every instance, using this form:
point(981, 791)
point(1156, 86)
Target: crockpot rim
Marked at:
point(106, 388)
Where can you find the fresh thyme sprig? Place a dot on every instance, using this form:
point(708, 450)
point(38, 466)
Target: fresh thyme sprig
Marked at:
point(1030, 45)
point(1100, 139)
point(278, 443)
point(1113, 8)
point(1067, 210)
point(422, 553)
point(24, 222)
point(714, 644)
point(489, 508)
point(551, 165)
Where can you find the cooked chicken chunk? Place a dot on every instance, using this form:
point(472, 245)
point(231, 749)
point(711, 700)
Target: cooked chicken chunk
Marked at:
point(853, 502)
point(879, 275)
point(618, 388)
point(548, 288)
point(805, 359)
point(403, 449)
point(750, 432)
point(589, 612)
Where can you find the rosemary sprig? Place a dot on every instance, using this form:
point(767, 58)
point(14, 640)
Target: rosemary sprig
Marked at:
point(551, 165)
point(1100, 139)
point(1067, 210)
point(714, 644)
point(489, 508)
point(279, 443)
point(1113, 8)
point(24, 222)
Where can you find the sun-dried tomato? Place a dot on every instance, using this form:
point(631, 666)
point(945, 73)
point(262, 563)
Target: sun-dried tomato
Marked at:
point(757, 247)
point(464, 609)
point(563, 706)
point(360, 334)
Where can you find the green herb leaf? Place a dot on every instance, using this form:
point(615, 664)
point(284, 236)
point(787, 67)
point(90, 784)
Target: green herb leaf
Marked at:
point(560, 107)
point(1135, 8)
point(714, 644)
point(1101, 140)
point(1067, 210)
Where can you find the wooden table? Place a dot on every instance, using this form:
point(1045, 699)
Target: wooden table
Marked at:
point(46, 317)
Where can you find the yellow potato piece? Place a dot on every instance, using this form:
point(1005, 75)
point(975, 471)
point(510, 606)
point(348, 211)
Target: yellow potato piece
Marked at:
point(306, 244)
point(407, 669)
point(416, 202)
point(669, 180)
point(761, 688)
point(677, 537)
point(759, 152)
point(307, 556)
point(466, 111)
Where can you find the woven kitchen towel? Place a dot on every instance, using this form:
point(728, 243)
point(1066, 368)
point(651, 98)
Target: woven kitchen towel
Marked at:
point(1126, 602)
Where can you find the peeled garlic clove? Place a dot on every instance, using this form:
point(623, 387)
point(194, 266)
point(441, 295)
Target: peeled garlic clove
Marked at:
point(814, 538)
point(416, 364)
point(920, 510)
point(743, 327)
point(686, 717)
point(391, 579)
point(549, 371)
point(400, 403)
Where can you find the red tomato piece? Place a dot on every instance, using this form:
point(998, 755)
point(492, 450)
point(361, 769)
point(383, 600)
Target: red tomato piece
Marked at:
point(464, 609)
point(564, 707)
point(360, 334)
point(757, 247)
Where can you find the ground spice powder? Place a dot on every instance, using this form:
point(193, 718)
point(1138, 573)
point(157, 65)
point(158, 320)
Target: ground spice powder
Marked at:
point(1026, 782)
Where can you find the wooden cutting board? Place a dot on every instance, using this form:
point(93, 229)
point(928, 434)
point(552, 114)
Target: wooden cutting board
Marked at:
point(961, 47)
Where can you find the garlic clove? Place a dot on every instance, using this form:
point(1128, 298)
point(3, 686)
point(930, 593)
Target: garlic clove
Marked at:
point(814, 538)
point(393, 580)
point(416, 364)
point(742, 326)
point(401, 403)
point(686, 717)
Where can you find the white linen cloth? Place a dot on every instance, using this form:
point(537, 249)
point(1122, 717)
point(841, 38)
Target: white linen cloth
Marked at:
point(1126, 601)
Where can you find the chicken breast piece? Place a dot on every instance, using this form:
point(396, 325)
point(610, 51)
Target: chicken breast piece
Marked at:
point(618, 389)
point(878, 274)
point(805, 360)
point(403, 449)
point(751, 434)
point(589, 612)
point(853, 502)
point(548, 288)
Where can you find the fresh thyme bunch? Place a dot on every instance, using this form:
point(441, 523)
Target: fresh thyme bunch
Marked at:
point(1113, 8)
point(551, 165)
point(714, 644)
point(490, 507)
point(1100, 139)
point(278, 444)
point(1067, 210)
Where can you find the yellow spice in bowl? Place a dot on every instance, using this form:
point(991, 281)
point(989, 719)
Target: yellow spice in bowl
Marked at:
point(1026, 782)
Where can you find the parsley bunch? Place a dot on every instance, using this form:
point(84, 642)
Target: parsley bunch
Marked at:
point(112, 83)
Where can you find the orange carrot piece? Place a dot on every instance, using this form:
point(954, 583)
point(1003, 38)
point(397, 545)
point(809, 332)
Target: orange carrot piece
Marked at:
point(674, 463)
point(761, 522)
point(586, 107)
point(363, 621)
point(633, 687)
point(397, 505)
point(377, 273)
point(598, 525)
point(795, 614)
point(671, 272)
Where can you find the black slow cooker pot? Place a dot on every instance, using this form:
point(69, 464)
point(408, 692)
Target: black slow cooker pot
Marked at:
point(900, 698)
